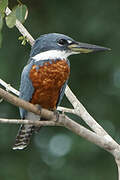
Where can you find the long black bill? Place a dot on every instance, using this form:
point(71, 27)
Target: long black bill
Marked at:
point(78, 47)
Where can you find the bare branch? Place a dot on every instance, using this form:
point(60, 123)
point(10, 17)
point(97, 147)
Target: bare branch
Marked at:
point(82, 112)
point(104, 142)
point(25, 121)
point(63, 120)
point(64, 109)
point(73, 126)
point(9, 87)
point(118, 166)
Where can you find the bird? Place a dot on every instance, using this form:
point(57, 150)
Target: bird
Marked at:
point(44, 78)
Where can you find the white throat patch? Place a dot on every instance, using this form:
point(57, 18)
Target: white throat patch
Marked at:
point(52, 54)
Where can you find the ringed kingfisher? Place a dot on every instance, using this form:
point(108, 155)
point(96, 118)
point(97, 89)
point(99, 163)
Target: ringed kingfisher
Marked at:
point(44, 78)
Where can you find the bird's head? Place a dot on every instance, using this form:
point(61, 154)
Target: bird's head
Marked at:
point(59, 46)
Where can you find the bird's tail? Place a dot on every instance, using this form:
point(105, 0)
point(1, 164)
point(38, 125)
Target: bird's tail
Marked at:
point(23, 137)
point(25, 132)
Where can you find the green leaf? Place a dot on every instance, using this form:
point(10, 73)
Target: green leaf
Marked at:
point(23, 39)
point(11, 19)
point(21, 13)
point(1, 22)
point(3, 5)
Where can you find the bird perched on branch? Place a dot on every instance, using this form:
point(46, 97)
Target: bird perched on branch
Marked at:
point(44, 78)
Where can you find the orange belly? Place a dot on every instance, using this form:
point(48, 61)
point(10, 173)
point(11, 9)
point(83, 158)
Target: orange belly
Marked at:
point(47, 81)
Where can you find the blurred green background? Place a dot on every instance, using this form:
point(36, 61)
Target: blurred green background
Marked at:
point(57, 153)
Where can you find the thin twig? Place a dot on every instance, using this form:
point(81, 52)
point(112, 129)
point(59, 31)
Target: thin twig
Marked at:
point(8, 87)
point(71, 125)
point(82, 112)
point(118, 166)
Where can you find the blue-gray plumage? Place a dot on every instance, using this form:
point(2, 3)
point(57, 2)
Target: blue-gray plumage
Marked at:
point(46, 74)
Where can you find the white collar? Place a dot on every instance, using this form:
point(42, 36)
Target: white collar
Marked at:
point(52, 54)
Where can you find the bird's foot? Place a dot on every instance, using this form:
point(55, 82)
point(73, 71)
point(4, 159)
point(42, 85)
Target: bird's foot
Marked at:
point(56, 113)
point(39, 108)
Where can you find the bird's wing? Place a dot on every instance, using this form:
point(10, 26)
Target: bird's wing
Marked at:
point(26, 88)
point(62, 91)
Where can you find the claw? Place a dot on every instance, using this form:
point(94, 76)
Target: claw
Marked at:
point(56, 113)
point(38, 107)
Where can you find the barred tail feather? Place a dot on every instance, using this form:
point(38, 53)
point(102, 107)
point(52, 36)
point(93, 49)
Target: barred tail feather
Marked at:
point(23, 137)
point(25, 132)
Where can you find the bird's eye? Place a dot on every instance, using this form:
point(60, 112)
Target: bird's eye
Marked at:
point(62, 42)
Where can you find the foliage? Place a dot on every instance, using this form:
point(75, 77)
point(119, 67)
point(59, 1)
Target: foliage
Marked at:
point(23, 39)
point(19, 12)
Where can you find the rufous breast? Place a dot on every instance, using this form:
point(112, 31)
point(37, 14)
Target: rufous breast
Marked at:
point(47, 81)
